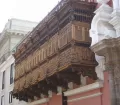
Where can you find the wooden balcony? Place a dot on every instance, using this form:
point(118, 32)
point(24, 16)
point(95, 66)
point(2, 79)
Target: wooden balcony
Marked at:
point(65, 52)
point(56, 52)
point(65, 12)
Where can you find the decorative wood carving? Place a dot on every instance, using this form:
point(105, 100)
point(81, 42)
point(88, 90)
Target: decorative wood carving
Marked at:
point(59, 44)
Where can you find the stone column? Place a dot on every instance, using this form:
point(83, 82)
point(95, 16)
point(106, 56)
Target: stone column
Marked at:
point(110, 49)
point(110, 70)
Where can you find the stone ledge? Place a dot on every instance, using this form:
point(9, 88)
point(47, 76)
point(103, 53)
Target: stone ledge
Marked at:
point(105, 46)
point(42, 101)
point(85, 97)
point(83, 89)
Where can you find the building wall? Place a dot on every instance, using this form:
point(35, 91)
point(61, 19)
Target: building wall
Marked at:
point(14, 40)
point(54, 100)
point(12, 34)
point(99, 96)
point(92, 94)
point(6, 66)
point(20, 25)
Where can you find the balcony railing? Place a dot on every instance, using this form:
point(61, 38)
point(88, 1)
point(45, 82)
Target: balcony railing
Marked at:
point(50, 49)
point(59, 49)
point(50, 15)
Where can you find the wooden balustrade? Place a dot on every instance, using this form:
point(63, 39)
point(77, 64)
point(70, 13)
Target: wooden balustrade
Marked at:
point(56, 50)
point(49, 25)
point(76, 55)
point(49, 48)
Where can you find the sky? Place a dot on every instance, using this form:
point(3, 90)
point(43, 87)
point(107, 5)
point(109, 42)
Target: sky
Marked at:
point(32, 10)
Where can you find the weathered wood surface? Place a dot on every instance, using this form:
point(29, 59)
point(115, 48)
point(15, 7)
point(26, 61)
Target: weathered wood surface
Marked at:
point(68, 10)
point(56, 52)
point(72, 55)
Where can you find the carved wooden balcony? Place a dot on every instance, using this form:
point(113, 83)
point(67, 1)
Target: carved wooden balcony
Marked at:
point(56, 52)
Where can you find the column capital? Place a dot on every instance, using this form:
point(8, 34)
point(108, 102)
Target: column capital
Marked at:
point(109, 48)
point(106, 46)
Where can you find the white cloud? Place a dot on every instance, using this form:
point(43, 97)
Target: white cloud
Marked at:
point(33, 10)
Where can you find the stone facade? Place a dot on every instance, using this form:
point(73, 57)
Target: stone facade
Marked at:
point(12, 34)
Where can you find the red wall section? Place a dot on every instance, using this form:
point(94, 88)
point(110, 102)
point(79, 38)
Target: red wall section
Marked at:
point(55, 100)
point(87, 101)
point(103, 99)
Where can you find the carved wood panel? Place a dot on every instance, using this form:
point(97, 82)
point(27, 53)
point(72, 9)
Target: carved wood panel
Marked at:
point(39, 58)
point(44, 62)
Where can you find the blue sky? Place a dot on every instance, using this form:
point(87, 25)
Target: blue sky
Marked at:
point(32, 10)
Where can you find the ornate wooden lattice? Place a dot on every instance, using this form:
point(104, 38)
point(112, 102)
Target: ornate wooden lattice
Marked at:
point(57, 52)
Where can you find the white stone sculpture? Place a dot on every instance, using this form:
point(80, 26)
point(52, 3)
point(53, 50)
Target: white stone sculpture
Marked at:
point(101, 29)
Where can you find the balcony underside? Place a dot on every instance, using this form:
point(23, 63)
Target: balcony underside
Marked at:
point(69, 73)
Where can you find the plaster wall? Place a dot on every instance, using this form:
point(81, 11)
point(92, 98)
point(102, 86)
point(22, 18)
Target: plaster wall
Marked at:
point(22, 25)
point(94, 96)
point(14, 41)
point(99, 96)
point(54, 100)
point(13, 32)
point(8, 87)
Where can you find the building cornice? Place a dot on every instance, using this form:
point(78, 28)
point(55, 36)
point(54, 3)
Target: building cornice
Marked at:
point(85, 97)
point(83, 89)
point(102, 47)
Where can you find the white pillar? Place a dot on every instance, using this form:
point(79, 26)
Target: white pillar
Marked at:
point(115, 21)
point(116, 4)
